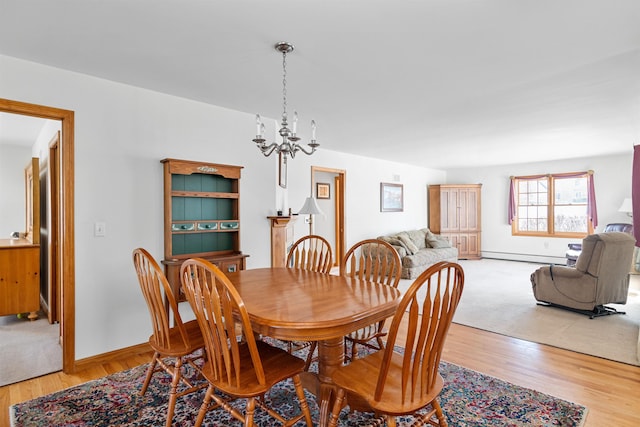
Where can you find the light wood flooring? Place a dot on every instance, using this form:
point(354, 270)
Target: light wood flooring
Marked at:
point(610, 390)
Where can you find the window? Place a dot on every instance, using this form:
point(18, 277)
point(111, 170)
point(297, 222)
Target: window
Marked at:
point(560, 205)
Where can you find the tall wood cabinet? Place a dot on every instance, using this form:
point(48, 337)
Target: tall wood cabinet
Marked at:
point(201, 216)
point(454, 212)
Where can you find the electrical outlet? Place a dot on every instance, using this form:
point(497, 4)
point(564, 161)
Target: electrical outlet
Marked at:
point(99, 229)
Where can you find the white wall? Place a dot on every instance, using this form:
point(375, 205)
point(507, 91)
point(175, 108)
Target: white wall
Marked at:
point(13, 160)
point(612, 177)
point(122, 133)
point(363, 218)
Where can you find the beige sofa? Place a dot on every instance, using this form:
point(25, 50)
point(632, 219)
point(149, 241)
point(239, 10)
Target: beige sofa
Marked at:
point(420, 249)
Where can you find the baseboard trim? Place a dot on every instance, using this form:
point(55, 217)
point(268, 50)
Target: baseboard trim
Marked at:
point(111, 355)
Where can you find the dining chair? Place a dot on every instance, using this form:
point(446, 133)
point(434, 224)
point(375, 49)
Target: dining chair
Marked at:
point(311, 253)
point(177, 343)
point(238, 366)
point(372, 260)
point(390, 382)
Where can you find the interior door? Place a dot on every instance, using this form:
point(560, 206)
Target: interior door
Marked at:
point(339, 204)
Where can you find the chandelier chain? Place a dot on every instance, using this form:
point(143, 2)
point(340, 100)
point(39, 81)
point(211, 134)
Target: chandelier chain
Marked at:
point(284, 84)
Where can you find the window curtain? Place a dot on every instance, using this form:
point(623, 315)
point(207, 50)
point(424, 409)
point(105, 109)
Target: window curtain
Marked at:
point(592, 211)
point(635, 192)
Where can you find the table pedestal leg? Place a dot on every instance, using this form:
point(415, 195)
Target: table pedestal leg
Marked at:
point(330, 356)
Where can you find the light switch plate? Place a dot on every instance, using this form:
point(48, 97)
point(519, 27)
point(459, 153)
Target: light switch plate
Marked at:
point(100, 229)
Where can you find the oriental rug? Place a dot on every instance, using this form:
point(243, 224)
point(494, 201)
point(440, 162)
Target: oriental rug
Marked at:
point(469, 399)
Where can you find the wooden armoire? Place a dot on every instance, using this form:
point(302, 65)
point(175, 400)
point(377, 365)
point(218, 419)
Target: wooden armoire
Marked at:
point(454, 212)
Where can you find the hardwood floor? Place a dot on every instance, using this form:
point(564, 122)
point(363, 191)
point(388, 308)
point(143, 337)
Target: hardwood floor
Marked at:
point(610, 390)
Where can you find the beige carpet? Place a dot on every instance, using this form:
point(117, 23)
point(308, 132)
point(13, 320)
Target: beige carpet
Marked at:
point(497, 297)
point(28, 349)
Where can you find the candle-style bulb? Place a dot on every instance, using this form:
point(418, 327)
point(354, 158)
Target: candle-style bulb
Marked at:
point(295, 122)
point(258, 123)
point(313, 130)
point(261, 132)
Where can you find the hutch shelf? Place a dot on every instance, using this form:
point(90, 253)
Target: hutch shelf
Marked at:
point(201, 217)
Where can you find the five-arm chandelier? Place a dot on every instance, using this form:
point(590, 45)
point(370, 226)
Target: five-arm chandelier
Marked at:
point(289, 145)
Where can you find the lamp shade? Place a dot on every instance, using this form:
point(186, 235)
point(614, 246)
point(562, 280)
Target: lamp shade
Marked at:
point(626, 206)
point(310, 207)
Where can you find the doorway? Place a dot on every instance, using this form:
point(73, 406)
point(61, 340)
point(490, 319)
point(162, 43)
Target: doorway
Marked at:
point(63, 227)
point(336, 198)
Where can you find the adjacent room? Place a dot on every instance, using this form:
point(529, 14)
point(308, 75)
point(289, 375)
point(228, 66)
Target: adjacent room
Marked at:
point(331, 160)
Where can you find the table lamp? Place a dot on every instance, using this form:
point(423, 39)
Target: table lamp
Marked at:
point(310, 208)
point(627, 206)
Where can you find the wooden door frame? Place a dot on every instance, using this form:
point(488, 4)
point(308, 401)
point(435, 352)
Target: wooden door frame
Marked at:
point(339, 207)
point(55, 280)
point(66, 263)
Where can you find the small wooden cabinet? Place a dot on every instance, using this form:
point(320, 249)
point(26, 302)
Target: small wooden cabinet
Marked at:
point(454, 212)
point(281, 238)
point(201, 216)
point(19, 277)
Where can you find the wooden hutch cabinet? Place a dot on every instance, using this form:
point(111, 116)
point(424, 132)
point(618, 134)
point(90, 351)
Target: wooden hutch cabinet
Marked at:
point(454, 212)
point(201, 217)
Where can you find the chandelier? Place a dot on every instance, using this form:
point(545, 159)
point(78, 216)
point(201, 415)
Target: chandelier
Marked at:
point(289, 145)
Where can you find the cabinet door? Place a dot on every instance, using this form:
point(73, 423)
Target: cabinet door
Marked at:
point(449, 209)
point(472, 208)
point(473, 244)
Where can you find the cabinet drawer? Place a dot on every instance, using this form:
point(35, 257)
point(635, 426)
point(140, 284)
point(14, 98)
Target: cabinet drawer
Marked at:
point(181, 226)
point(228, 266)
point(229, 225)
point(205, 226)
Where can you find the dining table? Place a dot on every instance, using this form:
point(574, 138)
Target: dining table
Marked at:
point(300, 305)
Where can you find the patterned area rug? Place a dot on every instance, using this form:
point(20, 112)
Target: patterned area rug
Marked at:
point(469, 399)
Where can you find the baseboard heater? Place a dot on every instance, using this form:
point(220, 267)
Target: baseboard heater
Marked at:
point(510, 256)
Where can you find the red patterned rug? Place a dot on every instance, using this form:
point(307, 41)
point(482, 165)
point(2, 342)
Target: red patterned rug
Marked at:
point(469, 399)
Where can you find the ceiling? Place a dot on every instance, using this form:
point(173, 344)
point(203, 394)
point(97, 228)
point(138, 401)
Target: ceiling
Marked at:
point(436, 83)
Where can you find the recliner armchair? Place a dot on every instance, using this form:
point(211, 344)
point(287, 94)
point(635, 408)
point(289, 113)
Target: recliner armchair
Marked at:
point(601, 276)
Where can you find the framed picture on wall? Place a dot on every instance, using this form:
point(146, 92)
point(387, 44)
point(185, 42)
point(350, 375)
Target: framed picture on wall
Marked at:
point(391, 198)
point(323, 190)
point(282, 170)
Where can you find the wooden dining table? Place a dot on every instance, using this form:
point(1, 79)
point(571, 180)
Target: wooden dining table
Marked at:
point(300, 305)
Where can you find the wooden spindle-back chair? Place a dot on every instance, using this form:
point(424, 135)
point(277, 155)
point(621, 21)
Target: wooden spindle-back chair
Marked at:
point(177, 342)
point(375, 261)
point(237, 365)
point(311, 253)
point(393, 383)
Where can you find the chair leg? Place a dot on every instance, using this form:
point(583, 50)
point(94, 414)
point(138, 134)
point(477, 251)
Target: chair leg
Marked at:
point(177, 373)
point(205, 406)
point(250, 410)
point(304, 406)
point(346, 350)
point(337, 406)
point(312, 349)
point(152, 367)
point(439, 414)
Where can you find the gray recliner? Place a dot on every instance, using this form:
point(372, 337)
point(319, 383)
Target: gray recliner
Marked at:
point(600, 276)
